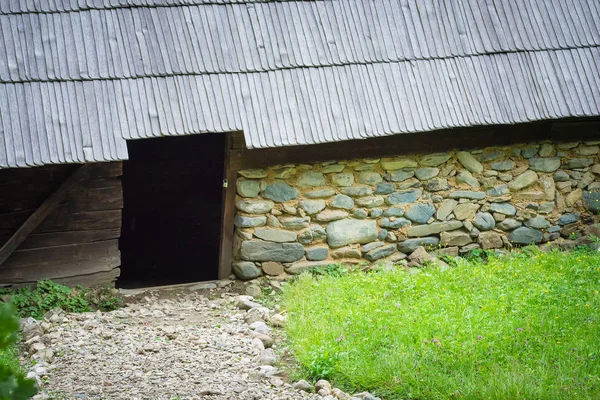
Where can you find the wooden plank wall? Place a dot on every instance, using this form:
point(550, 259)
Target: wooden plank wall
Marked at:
point(78, 243)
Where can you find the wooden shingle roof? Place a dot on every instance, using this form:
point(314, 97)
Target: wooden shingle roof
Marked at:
point(78, 77)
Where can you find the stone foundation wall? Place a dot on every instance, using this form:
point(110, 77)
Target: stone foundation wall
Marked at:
point(293, 217)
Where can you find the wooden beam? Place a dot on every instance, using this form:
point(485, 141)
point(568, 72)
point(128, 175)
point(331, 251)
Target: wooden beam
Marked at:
point(41, 213)
point(227, 215)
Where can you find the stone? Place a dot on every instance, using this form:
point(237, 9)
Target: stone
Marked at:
point(393, 164)
point(579, 163)
point(561, 176)
point(394, 212)
point(394, 223)
point(587, 150)
point(342, 180)
point(273, 222)
point(320, 194)
point(466, 211)
point(567, 219)
point(349, 231)
point(285, 173)
point(503, 165)
point(370, 246)
point(434, 160)
point(445, 209)
point(567, 145)
point(384, 188)
point(505, 177)
point(490, 155)
point(596, 169)
point(410, 196)
point(247, 188)
point(526, 236)
point(509, 224)
point(376, 213)
point(279, 192)
point(529, 151)
point(369, 202)
point(275, 235)
point(546, 150)
point(523, 181)
point(302, 266)
point(490, 240)
point(585, 180)
point(311, 178)
point(360, 213)
point(465, 194)
point(255, 206)
point(437, 185)
point(380, 252)
point(312, 206)
point(323, 385)
point(455, 238)
point(253, 290)
point(316, 253)
point(433, 228)
point(346, 252)
point(331, 215)
point(314, 233)
point(370, 177)
point(294, 223)
point(304, 386)
point(328, 169)
point(546, 208)
point(466, 178)
point(538, 222)
point(253, 173)
point(258, 250)
point(420, 213)
point(533, 195)
point(420, 256)
point(484, 221)
point(342, 201)
point(401, 175)
point(242, 221)
point(548, 186)
point(288, 209)
point(426, 173)
point(246, 270)
point(544, 164)
point(503, 208)
point(357, 191)
point(272, 268)
point(573, 197)
point(469, 162)
point(592, 200)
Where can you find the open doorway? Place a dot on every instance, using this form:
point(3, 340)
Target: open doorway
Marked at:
point(173, 196)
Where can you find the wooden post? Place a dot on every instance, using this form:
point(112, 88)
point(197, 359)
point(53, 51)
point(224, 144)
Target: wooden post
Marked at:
point(227, 215)
point(41, 213)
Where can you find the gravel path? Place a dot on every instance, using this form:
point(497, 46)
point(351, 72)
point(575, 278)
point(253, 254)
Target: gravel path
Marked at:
point(187, 347)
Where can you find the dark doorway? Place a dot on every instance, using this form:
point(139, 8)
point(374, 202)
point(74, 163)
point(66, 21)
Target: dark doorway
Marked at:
point(173, 194)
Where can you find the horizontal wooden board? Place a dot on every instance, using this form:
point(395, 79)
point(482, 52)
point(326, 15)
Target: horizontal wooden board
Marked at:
point(63, 221)
point(92, 280)
point(53, 239)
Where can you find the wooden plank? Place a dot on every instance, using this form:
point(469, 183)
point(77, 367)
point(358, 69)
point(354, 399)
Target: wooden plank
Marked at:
point(41, 213)
point(41, 240)
point(91, 280)
point(18, 274)
point(228, 214)
point(82, 221)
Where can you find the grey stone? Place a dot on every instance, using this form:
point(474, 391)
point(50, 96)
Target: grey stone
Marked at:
point(272, 268)
point(255, 206)
point(502, 165)
point(434, 160)
point(303, 386)
point(466, 211)
point(384, 188)
point(242, 221)
point(273, 222)
point(311, 178)
point(546, 208)
point(484, 221)
point(567, 145)
point(312, 206)
point(410, 196)
point(490, 155)
point(455, 238)
point(280, 192)
point(396, 223)
point(592, 200)
point(509, 224)
point(394, 212)
point(247, 188)
point(503, 208)
point(465, 194)
point(346, 252)
point(394, 164)
point(544, 164)
point(498, 191)
point(546, 150)
point(357, 191)
point(579, 163)
point(294, 223)
point(369, 202)
point(246, 270)
point(343, 180)
point(328, 169)
point(437, 185)
point(490, 240)
point(285, 173)
point(469, 162)
point(433, 228)
point(253, 173)
point(554, 229)
point(465, 177)
point(548, 186)
point(331, 215)
point(314, 233)
point(382, 234)
point(538, 222)
point(446, 209)
point(348, 231)
point(360, 213)
point(523, 181)
point(426, 173)
point(302, 266)
point(342, 201)
point(567, 219)
point(380, 252)
point(561, 176)
point(370, 177)
point(376, 212)
point(529, 152)
point(370, 246)
point(320, 194)
point(401, 175)
point(258, 250)
point(524, 235)
point(275, 235)
point(587, 150)
point(505, 177)
point(420, 213)
point(316, 253)
point(410, 245)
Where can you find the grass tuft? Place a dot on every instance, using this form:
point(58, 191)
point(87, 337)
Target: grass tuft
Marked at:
point(519, 326)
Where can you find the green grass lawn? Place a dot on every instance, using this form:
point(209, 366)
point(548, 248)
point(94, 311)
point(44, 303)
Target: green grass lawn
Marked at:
point(9, 358)
point(524, 326)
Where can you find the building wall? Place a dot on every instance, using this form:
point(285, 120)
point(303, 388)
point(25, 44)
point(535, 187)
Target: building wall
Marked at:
point(296, 216)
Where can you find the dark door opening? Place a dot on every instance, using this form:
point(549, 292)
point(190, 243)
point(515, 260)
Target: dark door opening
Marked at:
point(172, 193)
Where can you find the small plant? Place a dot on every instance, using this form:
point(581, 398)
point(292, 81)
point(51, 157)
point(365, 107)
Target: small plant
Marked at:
point(333, 270)
point(104, 298)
